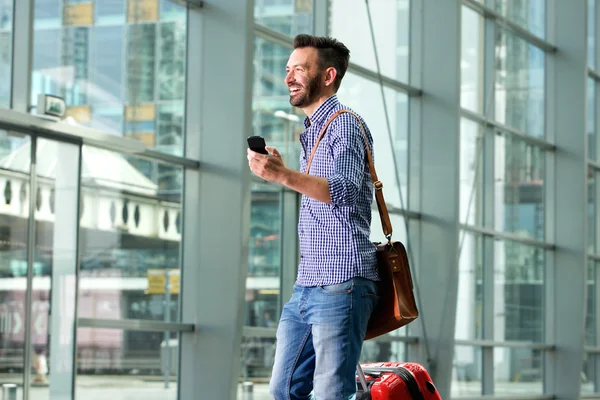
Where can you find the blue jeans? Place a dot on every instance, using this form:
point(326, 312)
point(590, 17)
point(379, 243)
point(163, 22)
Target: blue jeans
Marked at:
point(319, 339)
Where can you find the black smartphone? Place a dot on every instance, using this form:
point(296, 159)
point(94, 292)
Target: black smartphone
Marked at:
point(257, 144)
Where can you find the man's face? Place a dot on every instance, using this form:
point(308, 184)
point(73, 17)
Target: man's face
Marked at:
point(304, 78)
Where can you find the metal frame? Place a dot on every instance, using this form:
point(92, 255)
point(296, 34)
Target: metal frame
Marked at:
point(507, 236)
point(511, 345)
point(491, 122)
point(22, 54)
point(507, 397)
point(41, 127)
point(135, 325)
point(30, 261)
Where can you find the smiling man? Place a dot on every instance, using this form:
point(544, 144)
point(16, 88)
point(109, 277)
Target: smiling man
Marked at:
point(322, 327)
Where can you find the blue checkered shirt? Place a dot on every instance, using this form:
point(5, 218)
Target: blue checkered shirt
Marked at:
point(334, 238)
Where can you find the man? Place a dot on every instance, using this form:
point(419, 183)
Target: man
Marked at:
point(322, 327)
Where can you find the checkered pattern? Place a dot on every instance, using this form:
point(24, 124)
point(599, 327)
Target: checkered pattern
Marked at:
point(334, 238)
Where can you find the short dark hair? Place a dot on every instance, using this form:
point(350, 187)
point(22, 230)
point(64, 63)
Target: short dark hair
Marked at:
point(332, 53)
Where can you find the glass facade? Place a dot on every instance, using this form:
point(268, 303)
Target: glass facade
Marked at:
point(98, 238)
point(119, 65)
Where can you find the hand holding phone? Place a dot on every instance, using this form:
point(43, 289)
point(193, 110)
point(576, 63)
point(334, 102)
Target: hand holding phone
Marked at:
point(257, 144)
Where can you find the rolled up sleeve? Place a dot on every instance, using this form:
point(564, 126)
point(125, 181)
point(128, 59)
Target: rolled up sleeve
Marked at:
point(348, 146)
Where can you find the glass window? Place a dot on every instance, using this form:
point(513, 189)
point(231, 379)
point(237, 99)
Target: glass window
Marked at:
point(273, 116)
point(106, 77)
point(15, 161)
point(513, 367)
point(519, 84)
point(170, 127)
point(592, 223)
point(263, 281)
point(391, 22)
point(130, 238)
point(382, 351)
point(590, 318)
point(47, 11)
point(591, 29)
point(588, 372)
point(466, 371)
point(6, 40)
point(171, 63)
point(115, 74)
point(290, 17)
point(591, 119)
point(109, 11)
point(519, 187)
point(143, 363)
point(518, 292)
point(364, 97)
point(530, 14)
point(141, 59)
point(471, 167)
point(471, 63)
point(469, 318)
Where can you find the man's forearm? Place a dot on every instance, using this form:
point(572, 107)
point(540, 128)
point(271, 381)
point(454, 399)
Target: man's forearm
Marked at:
point(315, 187)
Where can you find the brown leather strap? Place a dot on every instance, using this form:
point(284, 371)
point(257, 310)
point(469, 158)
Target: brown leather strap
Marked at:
point(383, 212)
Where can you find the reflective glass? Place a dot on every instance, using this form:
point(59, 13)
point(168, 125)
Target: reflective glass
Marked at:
point(471, 176)
point(588, 372)
point(126, 365)
point(591, 119)
point(518, 371)
point(471, 61)
point(519, 187)
point(15, 161)
point(119, 65)
point(109, 11)
point(273, 116)
point(520, 76)
point(6, 41)
point(130, 234)
point(591, 208)
point(290, 17)
point(264, 260)
point(590, 317)
point(591, 31)
point(529, 14)
point(469, 321)
point(391, 23)
point(466, 371)
point(518, 292)
point(382, 351)
point(364, 97)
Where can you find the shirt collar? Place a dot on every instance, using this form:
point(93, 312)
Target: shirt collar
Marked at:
point(322, 111)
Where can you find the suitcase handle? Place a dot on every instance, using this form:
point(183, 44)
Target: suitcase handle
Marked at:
point(362, 378)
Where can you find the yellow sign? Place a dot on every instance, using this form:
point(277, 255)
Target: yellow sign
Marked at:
point(157, 280)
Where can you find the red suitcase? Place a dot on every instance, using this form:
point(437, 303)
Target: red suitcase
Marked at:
point(395, 381)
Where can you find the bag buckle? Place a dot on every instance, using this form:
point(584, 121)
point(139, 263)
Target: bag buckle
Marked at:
point(378, 185)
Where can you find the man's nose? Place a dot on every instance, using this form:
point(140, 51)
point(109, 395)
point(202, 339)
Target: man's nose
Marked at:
point(289, 77)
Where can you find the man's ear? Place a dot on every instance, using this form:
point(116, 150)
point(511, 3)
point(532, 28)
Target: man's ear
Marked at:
point(330, 74)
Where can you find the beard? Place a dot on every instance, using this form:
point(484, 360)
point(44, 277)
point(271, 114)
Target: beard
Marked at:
point(311, 92)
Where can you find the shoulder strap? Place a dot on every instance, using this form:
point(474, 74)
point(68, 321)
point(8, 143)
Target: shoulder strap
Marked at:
point(383, 212)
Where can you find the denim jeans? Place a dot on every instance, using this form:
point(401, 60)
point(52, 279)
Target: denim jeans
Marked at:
point(319, 339)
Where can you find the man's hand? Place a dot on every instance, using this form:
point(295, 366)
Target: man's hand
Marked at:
point(269, 167)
